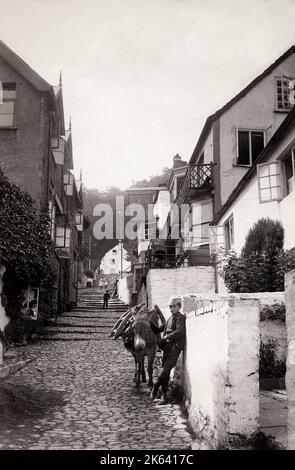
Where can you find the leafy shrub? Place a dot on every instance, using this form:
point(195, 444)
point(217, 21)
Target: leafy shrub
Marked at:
point(266, 235)
point(269, 365)
point(273, 312)
point(262, 263)
point(26, 245)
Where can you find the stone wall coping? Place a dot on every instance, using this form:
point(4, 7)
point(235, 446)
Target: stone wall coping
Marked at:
point(243, 295)
point(210, 301)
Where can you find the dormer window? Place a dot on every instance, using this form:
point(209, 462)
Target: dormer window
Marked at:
point(285, 87)
point(7, 100)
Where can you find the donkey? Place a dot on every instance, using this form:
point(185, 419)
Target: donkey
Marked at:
point(144, 344)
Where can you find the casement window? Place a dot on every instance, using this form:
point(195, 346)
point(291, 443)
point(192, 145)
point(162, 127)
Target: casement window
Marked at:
point(7, 101)
point(285, 87)
point(289, 167)
point(249, 145)
point(187, 229)
point(62, 237)
point(150, 230)
point(115, 251)
point(69, 183)
point(58, 150)
point(221, 237)
point(52, 220)
point(229, 233)
point(270, 181)
point(216, 239)
point(201, 218)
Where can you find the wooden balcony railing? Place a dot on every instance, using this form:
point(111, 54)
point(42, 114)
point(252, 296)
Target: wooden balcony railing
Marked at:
point(197, 177)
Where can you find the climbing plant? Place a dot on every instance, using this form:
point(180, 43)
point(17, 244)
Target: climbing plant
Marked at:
point(26, 245)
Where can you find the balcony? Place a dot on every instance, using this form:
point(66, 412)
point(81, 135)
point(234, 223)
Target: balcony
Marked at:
point(198, 180)
point(161, 254)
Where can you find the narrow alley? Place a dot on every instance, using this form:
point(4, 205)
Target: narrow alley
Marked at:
point(77, 393)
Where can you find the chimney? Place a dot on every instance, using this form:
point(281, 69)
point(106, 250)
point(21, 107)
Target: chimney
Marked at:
point(178, 162)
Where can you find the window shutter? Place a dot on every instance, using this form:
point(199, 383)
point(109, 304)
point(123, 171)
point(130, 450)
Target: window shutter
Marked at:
point(270, 181)
point(58, 150)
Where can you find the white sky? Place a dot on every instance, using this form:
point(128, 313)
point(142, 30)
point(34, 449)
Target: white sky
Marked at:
point(141, 76)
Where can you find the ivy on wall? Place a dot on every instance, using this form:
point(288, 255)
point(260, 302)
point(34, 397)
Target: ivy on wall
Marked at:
point(26, 245)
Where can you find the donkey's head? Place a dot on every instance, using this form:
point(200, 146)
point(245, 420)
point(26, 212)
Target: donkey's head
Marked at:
point(143, 313)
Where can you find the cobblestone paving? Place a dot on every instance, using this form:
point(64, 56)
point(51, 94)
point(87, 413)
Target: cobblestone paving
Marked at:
point(80, 395)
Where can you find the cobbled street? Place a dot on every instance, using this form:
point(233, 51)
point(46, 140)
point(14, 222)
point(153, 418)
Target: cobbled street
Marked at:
point(77, 393)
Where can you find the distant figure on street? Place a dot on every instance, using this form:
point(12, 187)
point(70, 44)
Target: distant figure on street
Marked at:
point(105, 284)
point(101, 284)
point(106, 297)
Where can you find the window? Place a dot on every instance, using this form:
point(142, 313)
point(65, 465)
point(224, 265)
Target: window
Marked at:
point(250, 144)
point(216, 237)
point(115, 252)
point(289, 165)
point(52, 219)
point(113, 260)
point(63, 236)
point(284, 93)
point(7, 99)
point(201, 218)
point(179, 182)
point(150, 230)
point(269, 181)
point(229, 233)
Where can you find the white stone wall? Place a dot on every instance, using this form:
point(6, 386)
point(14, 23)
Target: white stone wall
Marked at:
point(165, 283)
point(221, 382)
point(125, 289)
point(290, 375)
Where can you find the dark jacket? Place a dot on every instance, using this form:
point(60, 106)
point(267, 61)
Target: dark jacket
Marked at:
point(106, 296)
point(174, 330)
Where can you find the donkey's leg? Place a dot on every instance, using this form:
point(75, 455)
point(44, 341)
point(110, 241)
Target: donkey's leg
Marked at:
point(143, 375)
point(138, 370)
point(135, 371)
point(151, 358)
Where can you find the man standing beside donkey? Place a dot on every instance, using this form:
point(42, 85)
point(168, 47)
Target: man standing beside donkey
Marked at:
point(172, 344)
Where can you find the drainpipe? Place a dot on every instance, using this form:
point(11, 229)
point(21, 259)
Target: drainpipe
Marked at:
point(215, 272)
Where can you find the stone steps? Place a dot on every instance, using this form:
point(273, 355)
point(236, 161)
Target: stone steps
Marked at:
point(120, 308)
point(93, 316)
point(75, 329)
point(87, 322)
point(74, 322)
point(57, 336)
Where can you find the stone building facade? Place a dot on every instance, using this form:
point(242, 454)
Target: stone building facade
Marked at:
point(36, 152)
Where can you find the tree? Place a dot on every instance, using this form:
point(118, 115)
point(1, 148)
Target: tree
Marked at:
point(266, 235)
point(262, 263)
